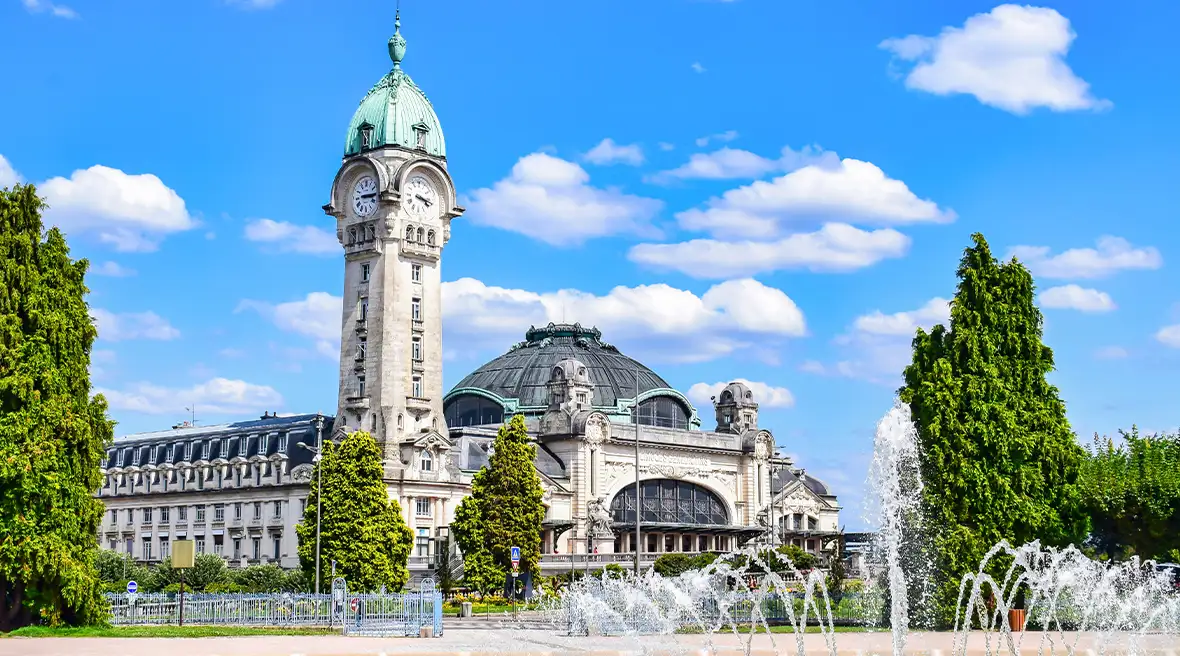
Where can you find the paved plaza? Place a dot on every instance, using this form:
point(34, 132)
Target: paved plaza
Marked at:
point(530, 641)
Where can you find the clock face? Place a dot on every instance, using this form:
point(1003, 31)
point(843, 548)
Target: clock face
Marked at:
point(419, 196)
point(364, 196)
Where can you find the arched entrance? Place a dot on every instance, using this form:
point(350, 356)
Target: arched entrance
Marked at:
point(676, 516)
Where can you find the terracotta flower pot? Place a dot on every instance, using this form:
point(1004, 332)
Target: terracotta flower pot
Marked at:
point(1016, 619)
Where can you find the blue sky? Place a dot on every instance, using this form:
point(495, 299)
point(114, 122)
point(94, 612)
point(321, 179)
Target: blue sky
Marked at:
point(784, 196)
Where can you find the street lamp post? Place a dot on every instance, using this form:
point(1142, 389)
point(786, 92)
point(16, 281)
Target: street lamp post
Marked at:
point(638, 503)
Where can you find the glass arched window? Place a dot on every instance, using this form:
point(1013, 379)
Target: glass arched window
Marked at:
point(421, 233)
point(663, 411)
point(670, 502)
point(426, 462)
point(472, 410)
point(409, 233)
point(430, 238)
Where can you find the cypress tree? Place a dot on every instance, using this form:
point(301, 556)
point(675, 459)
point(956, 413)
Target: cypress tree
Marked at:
point(998, 458)
point(362, 528)
point(52, 431)
point(504, 509)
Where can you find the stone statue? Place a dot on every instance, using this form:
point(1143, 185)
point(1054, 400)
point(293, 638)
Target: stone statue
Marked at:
point(598, 519)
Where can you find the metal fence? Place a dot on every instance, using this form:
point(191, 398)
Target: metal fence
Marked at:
point(384, 614)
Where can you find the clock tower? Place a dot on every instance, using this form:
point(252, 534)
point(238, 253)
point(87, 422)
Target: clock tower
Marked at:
point(393, 202)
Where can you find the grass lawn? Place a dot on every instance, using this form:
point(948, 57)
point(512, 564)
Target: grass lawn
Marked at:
point(161, 631)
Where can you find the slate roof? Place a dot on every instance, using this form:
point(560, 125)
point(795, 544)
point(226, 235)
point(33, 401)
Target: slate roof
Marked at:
point(522, 372)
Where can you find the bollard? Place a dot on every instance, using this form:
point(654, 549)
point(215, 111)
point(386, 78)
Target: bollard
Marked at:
point(426, 632)
point(465, 609)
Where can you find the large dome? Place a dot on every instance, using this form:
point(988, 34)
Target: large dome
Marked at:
point(395, 112)
point(523, 372)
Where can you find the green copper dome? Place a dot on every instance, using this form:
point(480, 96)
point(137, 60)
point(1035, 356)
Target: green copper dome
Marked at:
point(395, 112)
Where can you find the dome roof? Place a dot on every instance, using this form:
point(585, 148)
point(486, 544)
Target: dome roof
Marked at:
point(395, 112)
point(523, 372)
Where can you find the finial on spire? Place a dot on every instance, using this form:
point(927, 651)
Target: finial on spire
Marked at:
point(397, 43)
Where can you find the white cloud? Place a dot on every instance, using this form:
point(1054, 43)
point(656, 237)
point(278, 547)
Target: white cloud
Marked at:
point(1112, 255)
point(253, 4)
point(1169, 335)
point(722, 137)
point(665, 146)
point(98, 358)
point(697, 68)
point(835, 247)
point(609, 152)
point(8, 175)
point(60, 11)
point(1012, 57)
point(658, 320)
point(219, 396)
point(731, 163)
point(293, 238)
point(114, 327)
point(551, 200)
point(1111, 353)
point(112, 270)
point(853, 191)
point(877, 345)
point(1073, 297)
point(767, 396)
point(131, 212)
point(317, 316)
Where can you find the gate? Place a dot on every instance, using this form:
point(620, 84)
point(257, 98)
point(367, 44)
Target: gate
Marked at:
point(404, 614)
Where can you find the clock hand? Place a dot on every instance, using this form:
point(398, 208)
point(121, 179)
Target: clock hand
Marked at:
point(424, 200)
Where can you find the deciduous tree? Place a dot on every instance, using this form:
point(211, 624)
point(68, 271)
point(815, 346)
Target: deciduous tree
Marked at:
point(998, 458)
point(52, 431)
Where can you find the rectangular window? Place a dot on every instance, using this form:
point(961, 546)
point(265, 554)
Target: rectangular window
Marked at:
point(416, 349)
point(360, 385)
point(218, 545)
point(278, 544)
point(361, 348)
point(199, 545)
point(114, 516)
point(278, 509)
point(417, 387)
point(130, 546)
point(165, 512)
point(237, 548)
point(164, 550)
point(113, 544)
point(201, 513)
point(423, 542)
point(416, 272)
point(282, 443)
point(257, 548)
point(182, 513)
point(365, 266)
point(422, 507)
point(130, 521)
point(416, 309)
point(147, 548)
point(171, 452)
point(364, 311)
point(188, 450)
point(257, 510)
point(147, 515)
point(264, 444)
point(238, 510)
point(302, 507)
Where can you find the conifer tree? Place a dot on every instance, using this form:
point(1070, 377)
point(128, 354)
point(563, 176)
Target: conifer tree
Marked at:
point(998, 458)
point(52, 431)
point(362, 528)
point(504, 508)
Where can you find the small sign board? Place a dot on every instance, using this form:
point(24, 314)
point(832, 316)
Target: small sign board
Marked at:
point(132, 587)
point(515, 556)
point(515, 569)
point(354, 603)
point(182, 554)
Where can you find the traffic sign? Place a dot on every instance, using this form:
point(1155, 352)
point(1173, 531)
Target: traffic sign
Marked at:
point(354, 603)
point(131, 587)
point(515, 556)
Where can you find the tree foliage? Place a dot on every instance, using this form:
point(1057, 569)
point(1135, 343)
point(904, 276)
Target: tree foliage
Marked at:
point(207, 569)
point(1132, 493)
point(998, 458)
point(448, 566)
point(52, 431)
point(504, 508)
point(362, 528)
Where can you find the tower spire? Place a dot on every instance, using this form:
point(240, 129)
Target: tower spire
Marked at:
point(397, 43)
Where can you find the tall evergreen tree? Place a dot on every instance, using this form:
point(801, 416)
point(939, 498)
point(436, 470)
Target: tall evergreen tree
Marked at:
point(998, 458)
point(52, 431)
point(504, 508)
point(362, 528)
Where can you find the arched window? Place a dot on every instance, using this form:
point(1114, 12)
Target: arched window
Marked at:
point(409, 233)
point(472, 410)
point(420, 232)
point(426, 462)
point(663, 411)
point(352, 235)
point(430, 238)
point(400, 421)
point(670, 502)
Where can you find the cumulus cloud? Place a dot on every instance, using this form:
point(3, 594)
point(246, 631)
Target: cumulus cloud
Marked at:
point(767, 396)
point(836, 247)
point(8, 175)
point(118, 327)
point(1169, 336)
point(659, 321)
point(1074, 297)
point(697, 68)
point(291, 238)
point(852, 191)
point(609, 152)
point(723, 137)
point(551, 200)
point(665, 146)
point(112, 270)
point(877, 345)
point(1012, 58)
point(219, 396)
point(733, 163)
point(58, 11)
point(317, 316)
point(1113, 254)
point(130, 212)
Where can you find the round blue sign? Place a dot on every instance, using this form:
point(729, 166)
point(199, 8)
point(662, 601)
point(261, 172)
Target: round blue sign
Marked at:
point(131, 587)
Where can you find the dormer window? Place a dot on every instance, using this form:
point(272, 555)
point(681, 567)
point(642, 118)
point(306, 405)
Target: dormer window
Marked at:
point(426, 462)
point(420, 130)
point(366, 131)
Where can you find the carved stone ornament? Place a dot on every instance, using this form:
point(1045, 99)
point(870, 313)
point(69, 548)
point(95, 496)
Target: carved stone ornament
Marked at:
point(598, 519)
point(302, 474)
point(596, 430)
point(762, 447)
